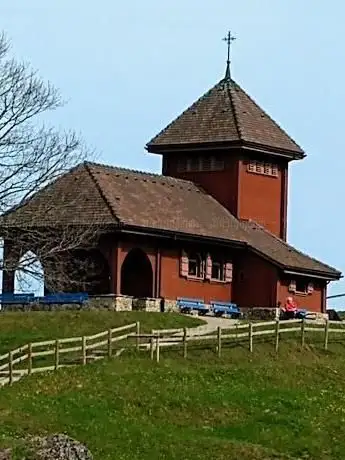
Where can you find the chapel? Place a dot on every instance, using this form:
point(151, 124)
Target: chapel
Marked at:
point(212, 225)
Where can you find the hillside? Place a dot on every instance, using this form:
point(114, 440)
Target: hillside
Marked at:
point(19, 328)
point(242, 406)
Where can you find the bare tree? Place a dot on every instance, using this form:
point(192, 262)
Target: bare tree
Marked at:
point(32, 156)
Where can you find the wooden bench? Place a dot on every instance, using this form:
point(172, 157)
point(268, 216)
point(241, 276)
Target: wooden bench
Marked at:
point(188, 305)
point(225, 308)
point(63, 298)
point(16, 299)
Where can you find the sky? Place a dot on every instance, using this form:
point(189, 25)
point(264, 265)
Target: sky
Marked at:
point(126, 69)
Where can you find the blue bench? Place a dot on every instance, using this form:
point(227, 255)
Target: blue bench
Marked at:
point(187, 305)
point(225, 308)
point(63, 298)
point(17, 299)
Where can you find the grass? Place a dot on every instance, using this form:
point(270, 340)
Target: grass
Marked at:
point(19, 328)
point(242, 406)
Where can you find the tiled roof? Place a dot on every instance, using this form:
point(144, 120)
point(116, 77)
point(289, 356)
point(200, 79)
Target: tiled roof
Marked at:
point(93, 193)
point(281, 252)
point(225, 114)
point(164, 203)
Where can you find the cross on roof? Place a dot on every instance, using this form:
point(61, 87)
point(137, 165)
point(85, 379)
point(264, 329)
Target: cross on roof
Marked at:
point(228, 39)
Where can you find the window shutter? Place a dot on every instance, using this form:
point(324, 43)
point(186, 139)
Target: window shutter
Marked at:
point(228, 272)
point(292, 286)
point(310, 288)
point(208, 275)
point(184, 264)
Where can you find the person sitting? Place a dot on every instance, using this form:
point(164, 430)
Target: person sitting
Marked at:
point(290, 308)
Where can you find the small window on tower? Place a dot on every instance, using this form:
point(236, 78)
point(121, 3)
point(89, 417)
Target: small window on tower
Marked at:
point(195, 164)
point(251, 166)
point(274, 170)
point(259, 167)
point(205, 164)
point(217, 164)
point(268, 169)
point(181, 165)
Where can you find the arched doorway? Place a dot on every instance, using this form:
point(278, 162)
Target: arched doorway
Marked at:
point(137, 275)
point(29, 276)
point(89, 272)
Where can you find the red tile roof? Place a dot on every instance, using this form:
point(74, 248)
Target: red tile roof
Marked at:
point(225, 114)
point(281, 252)
point(93, 193)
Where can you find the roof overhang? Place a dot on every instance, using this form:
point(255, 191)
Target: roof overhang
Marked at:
point(309, 274)
point(226, 145)
point(178, 236)
point(327, 276)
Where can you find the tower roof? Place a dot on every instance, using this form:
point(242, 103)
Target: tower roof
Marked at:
point(225, 115)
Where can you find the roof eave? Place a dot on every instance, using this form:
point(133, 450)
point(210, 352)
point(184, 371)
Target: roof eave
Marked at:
point(222, 145)
point(171, 234)
point(327, 275)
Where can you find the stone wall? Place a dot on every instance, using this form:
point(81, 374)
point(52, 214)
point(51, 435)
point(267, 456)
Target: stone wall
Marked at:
point(152, 305)
point(170, 306)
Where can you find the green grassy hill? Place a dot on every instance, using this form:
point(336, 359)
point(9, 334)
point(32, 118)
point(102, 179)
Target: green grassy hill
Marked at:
point(242, 406)
point(17, 329)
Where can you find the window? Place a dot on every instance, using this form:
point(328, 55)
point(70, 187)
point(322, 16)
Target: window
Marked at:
point(217, 164)
point(181, 165)
point(195, 265)
point(218, 272)
point(301, 286)
point(196, 163)
point(260, 167)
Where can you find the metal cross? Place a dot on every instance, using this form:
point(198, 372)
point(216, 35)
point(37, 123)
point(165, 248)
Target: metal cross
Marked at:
point(228, 39)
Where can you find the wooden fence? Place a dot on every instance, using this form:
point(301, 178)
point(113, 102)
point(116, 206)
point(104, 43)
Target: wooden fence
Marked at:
point(165, 338)
point(53, 354)
point(50, 355)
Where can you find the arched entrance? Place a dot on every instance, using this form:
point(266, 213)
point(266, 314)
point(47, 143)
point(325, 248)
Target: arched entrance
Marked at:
point(137, 275)
point(89, 272)
point(29, 276)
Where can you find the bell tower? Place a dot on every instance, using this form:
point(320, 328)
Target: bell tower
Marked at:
point(229, 146)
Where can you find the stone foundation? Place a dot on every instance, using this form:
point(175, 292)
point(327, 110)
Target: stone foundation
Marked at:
point(260, 313)
point(170, 306)
point(146, 304)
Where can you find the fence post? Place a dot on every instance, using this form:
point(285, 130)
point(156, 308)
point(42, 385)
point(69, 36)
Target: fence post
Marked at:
point(219, 341)
point(29, 359)
point(303, 332)
point(57, 347)
point(185, 342)
point(10, 368)
point(326, 334)
point(138, 333)
point(277, 335)
point(251, 337)
point(110, 343)
point(157, 349)
point(83, 347)
point(152, 347)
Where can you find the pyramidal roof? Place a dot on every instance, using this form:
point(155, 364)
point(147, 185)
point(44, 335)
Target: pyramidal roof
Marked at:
point(225, 115)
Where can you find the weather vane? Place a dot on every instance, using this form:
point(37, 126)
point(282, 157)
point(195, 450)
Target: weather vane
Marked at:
point(228, 39)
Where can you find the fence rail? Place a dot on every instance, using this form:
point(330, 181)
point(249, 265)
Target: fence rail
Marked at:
point(78, 347)
point(167, 338)
point(70, 351)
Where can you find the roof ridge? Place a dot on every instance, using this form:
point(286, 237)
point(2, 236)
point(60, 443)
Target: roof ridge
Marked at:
point(285, 243)
point(189, 108)
point(234, 109)
point(100, 191)
point(268, 116)
point(143, 173)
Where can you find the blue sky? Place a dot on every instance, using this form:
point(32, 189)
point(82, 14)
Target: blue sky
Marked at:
point(127, 68)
